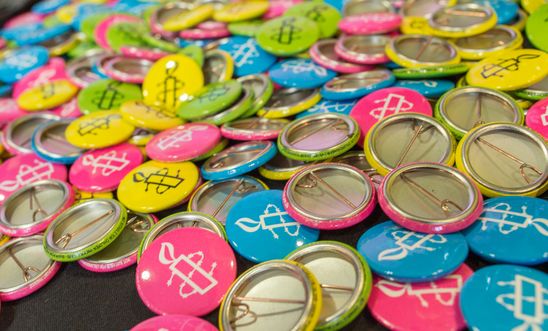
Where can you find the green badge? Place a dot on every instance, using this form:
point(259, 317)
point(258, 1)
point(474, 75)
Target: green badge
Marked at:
point(235, 111)
point(431, 72)
point(210, 100)
point(245, 28)
point(126, 34)
point(194, 52)
point(107, 94)
point(288, 35)
point(89, 23)
point(83, 48)
point(323, 14)
point(154, 42)
point(537, 26)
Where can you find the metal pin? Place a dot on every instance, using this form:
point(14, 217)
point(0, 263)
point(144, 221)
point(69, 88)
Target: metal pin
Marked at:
point(522, 164)
point(444, 204)
point(39, 210)
point(478, 110)
point(329, 124)
point(465, 13)
point(137, 225)
point(220, 207)
point(220, 163)
point(25, 269)
point(64, 240)
point(418, 131)
point(314, 183)
point(363, 80)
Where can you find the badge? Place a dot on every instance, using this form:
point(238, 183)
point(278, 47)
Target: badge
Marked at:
point(17, 135)
point(17, 63)
point(249, 58)
point(428, 88)
point(106, 94)
point(323, 14)
point(370, 23)
point(188, 18)
point(288, 35)
point(156, 118)
point(462, 20)
point(537, 118)
point(47, 95)
point(241, 11)
point(300, 73)
point(210, 100)
point(49, 142)
point(329, 106)
point(174, 322)
point(98, 130)
point(353, 86)
point(323, 52)
point(535, 26)
point(53, 70)
point(288, 102)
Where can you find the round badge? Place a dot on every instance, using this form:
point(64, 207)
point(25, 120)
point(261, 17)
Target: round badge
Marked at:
point(52, 71)
point(17, 135)
point(98, 130)
point(47, 95)
point(510, 230)
point(497, 39)
point(281, 168)
point(326, 16)
point(84, 229)
point(206, 30)
point(125, 34)
point(362, 49)
point(537, 117)
point(218, 66)
point(462, 20)
point(174, 322)
point(510, 70)
point(254, 128)
point(105, 23)
point(329, 196)
point(101, 170)
point(401, 255)
point(428, 88)
point(288, 102)
point(49, 142)
point(9, 111)
point(354, 86)
point(418, 50)
point(323, 52)
point(211, 100)
point(154, 186)
point(17, 63)
point(145, 116)
point(370, 23)
point(437, 71)
point(388, 101)
point(22, 170)
point(183, 143)
point(534, 27)
point(262, 88)
point(127, 70)
point(329, 106)
point(288, 35)
point(240, 11)
point(106, 94)
point(185, 271)
point(505, 10)
point(188, 18)
point(534, 92)
point(300, 73)
point(261, 217)
point(245, 28)
point(249, 57)
point(427, 306)
point(172, 80)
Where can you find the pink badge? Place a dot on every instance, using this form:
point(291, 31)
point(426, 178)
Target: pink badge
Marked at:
point(102, 28)
point(132, 76)
point(9, 111)
point(27, 18)
point(185, 271)
point(370, 23)
point(335, 63)
point(68, 110)
point(278, 8)
point(151, 54)
point(537, 117)
point(427, 306)
point(362, 58)
point(54, 70)
point(3, 43)
point(37, 284)
point(101, 170)
point(183, 142)
point(206, 30)
point(388, 101)
point(175, 323)
point(24, 169)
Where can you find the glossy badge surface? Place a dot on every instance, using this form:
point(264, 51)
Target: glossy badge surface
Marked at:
point(300, 73)
point(174, 322)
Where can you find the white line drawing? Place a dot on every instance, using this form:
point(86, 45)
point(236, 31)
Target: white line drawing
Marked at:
point(511, 221)
point(393, 103)
point(278, 221)
point(408, 241)
point(244, 53)
point(27, 174)
point(177, 136)
point(544, 117)
point(298, 67)
point(108, 163)
point(167, 257)
point(336, 107)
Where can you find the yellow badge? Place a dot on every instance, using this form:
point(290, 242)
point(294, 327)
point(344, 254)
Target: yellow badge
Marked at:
point(172, 80)
point(241, 11)
point(154, 186)
point(415, 25)
point(47, 95)
point(82, 196)
point(99, 129)
point(144, 116)
point(188, 18)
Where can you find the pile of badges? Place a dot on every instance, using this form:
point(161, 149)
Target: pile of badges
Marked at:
point(436, 111)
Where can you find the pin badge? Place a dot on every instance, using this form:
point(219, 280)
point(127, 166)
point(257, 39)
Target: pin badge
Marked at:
point(127, 70)
point(288, 102)
point(49, 143)
point(155, 118)
point(537, 118)
point(329, 106)
point(328, 261)
point(84, 229)
point(206, 30)
point(437, 71)
point(420, 50)
point(505, 159)
point(249, 58)
point(275, 294)
point(300, 73)
point(499, 38)
point(62, 43)
point(32, 208)
point(218, 66)
point(15, 64)
point(353, 86)
point(188, 18)
point(174, 322)
point(534, 28)
point(318, 137)
point(427, 88)
point(181, 220)
point(324, 53)
point(260, 216)
point(210, 100)
point(262, 88)
point(101, 170)
point(347, 196)
point(401, 255)
point(98, 130)
point(362, 49)
point(326, 16)
point(122, 252)
point(17, 135)
point(464, 108)
point(509, 296)
point(25, 267)
point(47, 95)
point(106, 94)
point(370, 23)
point(238, 160)
point(216, 198)
point(280, 168)
point(357, 159)
point(356, 7)
point(462, 20)
point(534, 92)
point(185, 271)
point(424, 8)
point(254, 128)
point(79, 70)
point(427, 306)
point(430, 198)
point(287, 35)
point(163, 13)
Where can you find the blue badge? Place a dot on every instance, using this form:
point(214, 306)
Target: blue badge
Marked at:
point(338, 4)
point(300, 73)
point(329, 106)
point(344, 93)
point(249, 57)
point(505, 297)
point(242, 167)
point(132, 7)
point(4, 89)
point(511, 230)
point(21, 61)
point(48, 6)
point(13, 33)
point(506, 10)
point(430, 88)
point(259, 228)
point(54, 158)
point(402, 255)
point(85, 10)
point(41, 35)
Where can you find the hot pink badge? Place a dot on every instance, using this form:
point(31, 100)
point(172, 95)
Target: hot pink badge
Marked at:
point(9, 110)
point(427, 306)
point(382, 103)
point(370, 23)
point(174, 322)
point(335, 63)
point(278, 8)
point(102, 28)
point(101, 170)
point(206, 30)
point(185, 271)
point(537, 117)
point(24, 169)
point(27, 18)
point(183, 142)
point(68, 110)
point(151, 54)
point(55, 69)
